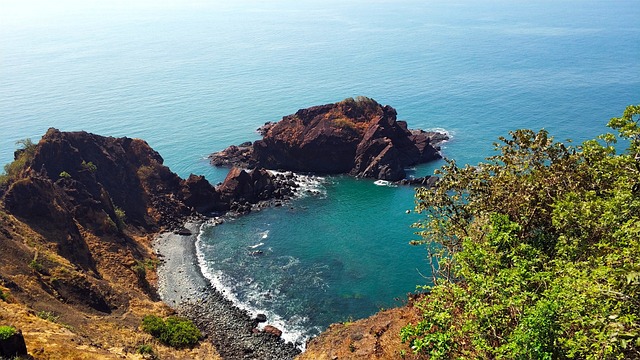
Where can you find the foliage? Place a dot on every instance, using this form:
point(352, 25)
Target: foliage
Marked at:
point(65, 175)
point(535, 253)
point(121, 215)
point(3, 296)
point(146, 349)
point(173, 331)
point(89, 166)
point(24, 155)
point(345, 124)
point(141, 267)
point(48, 315)
point(36, 265)
point(7, 332)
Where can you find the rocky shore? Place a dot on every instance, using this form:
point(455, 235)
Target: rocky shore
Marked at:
point(182, 285)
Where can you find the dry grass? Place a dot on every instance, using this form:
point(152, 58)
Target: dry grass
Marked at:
point(67, 331)
point(376, 337)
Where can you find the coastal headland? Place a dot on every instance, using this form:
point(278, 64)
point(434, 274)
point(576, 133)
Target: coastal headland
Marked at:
point(88, 219)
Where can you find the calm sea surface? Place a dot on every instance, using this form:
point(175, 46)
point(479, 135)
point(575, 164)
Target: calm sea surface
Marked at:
point(192, 77)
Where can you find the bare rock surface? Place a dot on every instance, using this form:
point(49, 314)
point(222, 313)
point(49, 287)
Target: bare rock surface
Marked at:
point(355, 136)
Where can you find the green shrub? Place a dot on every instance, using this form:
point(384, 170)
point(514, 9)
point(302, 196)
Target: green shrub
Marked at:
point(3, 296)
point(174, 331)
point(48, 315)
point(145, 349)
point(65, 175)
point(121, 215)
point(7, 332)
point(91, 167)
point(534, 253)
point(36, 265)
point(345, 123)
point(25, 155)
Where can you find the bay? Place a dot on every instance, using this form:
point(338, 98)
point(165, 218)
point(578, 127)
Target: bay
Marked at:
point(193, 77)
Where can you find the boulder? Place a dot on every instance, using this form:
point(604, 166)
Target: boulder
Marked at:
point(269, 329)
point(13, 346)
point(199, 194)
point(242, 186)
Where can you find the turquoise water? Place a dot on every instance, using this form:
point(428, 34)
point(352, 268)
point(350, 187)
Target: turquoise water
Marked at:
point(192, 77)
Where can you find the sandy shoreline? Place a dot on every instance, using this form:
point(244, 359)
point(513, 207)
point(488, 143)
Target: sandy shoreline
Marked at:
point(179, 276)
point(182, 286)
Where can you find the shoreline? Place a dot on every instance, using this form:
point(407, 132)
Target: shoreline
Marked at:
point(183, 287)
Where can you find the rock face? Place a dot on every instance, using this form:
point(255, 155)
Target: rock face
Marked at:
point(359, 137)
point(75, 187)
point(242, 188)
point(14, 346)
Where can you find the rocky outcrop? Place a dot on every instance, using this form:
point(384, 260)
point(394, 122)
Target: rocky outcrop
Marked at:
point(426, 181)
point(242, 188)
point(13, 346)
point(355, 136)
point(197, 193)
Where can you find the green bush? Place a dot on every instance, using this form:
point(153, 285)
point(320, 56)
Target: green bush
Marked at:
point(145, 349)
point(65, 175)
point(48, 315)
point(3, 296)
point(36, 265)
point(89, 166)
point(121, 215)
point(25, 155)
point(535, 253)
point(174, 331)
point(7, 332)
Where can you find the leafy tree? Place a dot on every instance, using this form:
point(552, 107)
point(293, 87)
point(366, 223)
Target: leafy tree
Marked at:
point(535, 253)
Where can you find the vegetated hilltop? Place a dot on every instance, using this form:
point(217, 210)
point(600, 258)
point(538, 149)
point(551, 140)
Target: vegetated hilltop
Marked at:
point(355, 136)
point(78, 212)
point(535, 255)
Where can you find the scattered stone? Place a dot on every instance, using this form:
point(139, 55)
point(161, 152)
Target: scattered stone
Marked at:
point(269, 329)
point(183, 232)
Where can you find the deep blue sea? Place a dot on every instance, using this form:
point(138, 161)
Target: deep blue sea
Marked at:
point(192, 77)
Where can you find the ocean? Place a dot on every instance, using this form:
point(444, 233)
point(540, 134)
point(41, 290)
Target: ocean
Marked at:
point(192, 77)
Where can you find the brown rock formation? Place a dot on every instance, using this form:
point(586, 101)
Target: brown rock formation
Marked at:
point(359, 137)
point(77, 214)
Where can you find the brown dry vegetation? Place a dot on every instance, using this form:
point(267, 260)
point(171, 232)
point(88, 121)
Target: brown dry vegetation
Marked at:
point(54, 325)
point(376, 337)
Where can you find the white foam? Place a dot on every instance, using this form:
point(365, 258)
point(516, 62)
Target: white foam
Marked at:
point(292, 330)
point(385, 183)
point(256, 245)
point(308, 185)
point(450, 134)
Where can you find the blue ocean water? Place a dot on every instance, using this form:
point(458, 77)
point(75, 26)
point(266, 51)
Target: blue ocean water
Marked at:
point(192, 77)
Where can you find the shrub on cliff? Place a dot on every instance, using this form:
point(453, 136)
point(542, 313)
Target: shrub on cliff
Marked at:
point(22, 156)
point(7, 332)
point(536, 253)
point(173, 331)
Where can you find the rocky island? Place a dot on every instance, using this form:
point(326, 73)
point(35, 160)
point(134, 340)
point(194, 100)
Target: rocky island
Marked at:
point(357, 136)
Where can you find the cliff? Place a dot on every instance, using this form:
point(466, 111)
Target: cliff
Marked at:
point(78, 215)
point(355, 136)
